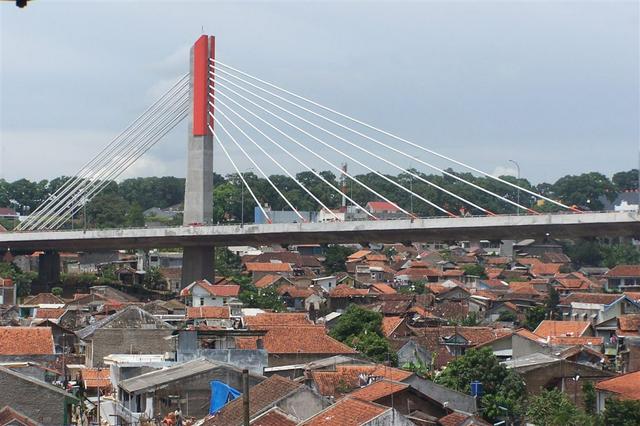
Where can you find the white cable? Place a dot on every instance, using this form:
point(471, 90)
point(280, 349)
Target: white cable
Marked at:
point(83, 181)
point(310, 151)
point(101, 178)
point(86, 170)
point(397, 137)
point(270, 157)
point(334, 149)
point(375, 155)
point(158, 135)
point(319, 176)
point(215, 119)
point(215, 136)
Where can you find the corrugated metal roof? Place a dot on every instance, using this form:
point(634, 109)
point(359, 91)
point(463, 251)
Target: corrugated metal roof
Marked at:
point(159, 377)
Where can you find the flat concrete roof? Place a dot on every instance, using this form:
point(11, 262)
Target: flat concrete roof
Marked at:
point(569, 225)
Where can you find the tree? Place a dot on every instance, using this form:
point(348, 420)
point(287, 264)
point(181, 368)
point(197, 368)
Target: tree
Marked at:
point(626, 181)
point(22, 280)
point(507, 316)
point(267, 298)
point(57, 291)
point(585, 253)
point(620, 254)
point(589, 392)
point(585, 190)
point(552, 302)
point(622, 412)
point(474, 270)
point(534, 316)
point(362, 330)
point(470, 320)
point(554, 408)
point(135, 216)
point(501, 387)
point(153, 279)
point(227, 263)
point(335, 258)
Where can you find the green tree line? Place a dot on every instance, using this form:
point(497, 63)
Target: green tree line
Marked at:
point(122, 203)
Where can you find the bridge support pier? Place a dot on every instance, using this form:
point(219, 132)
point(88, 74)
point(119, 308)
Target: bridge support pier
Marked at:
point(197, 264)
point(49, 268)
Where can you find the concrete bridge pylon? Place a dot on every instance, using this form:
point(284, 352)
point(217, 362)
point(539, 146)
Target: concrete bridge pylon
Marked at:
point(198, 262)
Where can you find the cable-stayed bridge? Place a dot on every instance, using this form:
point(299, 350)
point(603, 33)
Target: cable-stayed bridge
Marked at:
point(255, 123)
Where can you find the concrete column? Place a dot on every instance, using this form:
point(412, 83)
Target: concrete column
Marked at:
point(49, 268)
point(197, 262)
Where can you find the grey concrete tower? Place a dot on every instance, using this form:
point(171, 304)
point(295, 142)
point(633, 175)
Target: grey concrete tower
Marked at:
point(197, 262)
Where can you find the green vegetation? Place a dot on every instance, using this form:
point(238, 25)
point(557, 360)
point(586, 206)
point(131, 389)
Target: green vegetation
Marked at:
point(592, 253)
point(474, 270)
point(622, 413)
point(502, 387)
point(554, 408)
point(22, 280)
point(121, 204)
point(266, 298)
point(57, 291)
point(335, 257)
point(534, 316)
point(154, 280)
point(362, 330)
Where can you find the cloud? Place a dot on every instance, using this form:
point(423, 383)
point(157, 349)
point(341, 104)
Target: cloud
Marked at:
point(505, 171)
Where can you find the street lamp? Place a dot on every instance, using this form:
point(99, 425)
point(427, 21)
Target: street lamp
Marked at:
point(518, 193)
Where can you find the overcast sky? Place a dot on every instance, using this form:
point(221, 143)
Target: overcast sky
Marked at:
point(552, 85)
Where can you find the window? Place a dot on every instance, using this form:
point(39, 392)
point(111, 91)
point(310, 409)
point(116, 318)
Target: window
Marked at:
point(202, 301)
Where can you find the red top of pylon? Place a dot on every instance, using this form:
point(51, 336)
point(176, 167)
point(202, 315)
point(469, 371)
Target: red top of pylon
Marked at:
point(203, 50)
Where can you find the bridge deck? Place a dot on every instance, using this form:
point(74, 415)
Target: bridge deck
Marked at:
point(493, 228)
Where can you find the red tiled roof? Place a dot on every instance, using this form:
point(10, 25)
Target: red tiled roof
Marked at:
point(208, 312)
point(344, 290)
point(295, 292)
point(561, 328)
point(624, 271)
point(268, 267)
point(573, 283)
point(626, 386)
point(267, 280)
point(377, 206)
point(461, 419)
point(383, 288)
point(346, 412)
point(389, 324)
point(261, 396)
point(49, 313)
point(26, 341)
point(378, 389)
point(376, 257)
point(545, 268)
point(217, 290)
point(274, 417)
point(9, 416)
point(270, 319)
point(358, 255)
point(629, 322)
point(594, 298)
point(523, 332)
point(347, 377)
point(304, 339)
point(44, 299)
point(6, 282)
point(497, 260)
point(94, 378)
point(584, 340)
point(523, 287)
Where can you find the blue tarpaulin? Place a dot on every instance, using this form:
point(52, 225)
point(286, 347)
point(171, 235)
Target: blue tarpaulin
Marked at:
point(221, 393)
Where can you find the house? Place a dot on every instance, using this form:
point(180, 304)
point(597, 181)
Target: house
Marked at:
point(186, 385)
point(213, 316)
point(342, 296)
point(356, 412)
point(327, 283)
point(601, 309)
point(462, 419)
point(271, 280)
point(32, 401)
point(8, 292)
point(260, 269)
point(543, 371)
point(26, 344)
point(130, 330)
point(626, 387)
point(294, 297)
point(623, 277)
point(295, 344)
point(548, 328)
point(384, 210)
point(203, 293)
point(404, 397)
point(344, 378)
point(293, 399)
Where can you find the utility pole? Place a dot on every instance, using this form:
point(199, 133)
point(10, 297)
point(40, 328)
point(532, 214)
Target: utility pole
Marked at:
point(245, 396)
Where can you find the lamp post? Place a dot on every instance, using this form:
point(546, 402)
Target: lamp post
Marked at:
point(518, 193)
